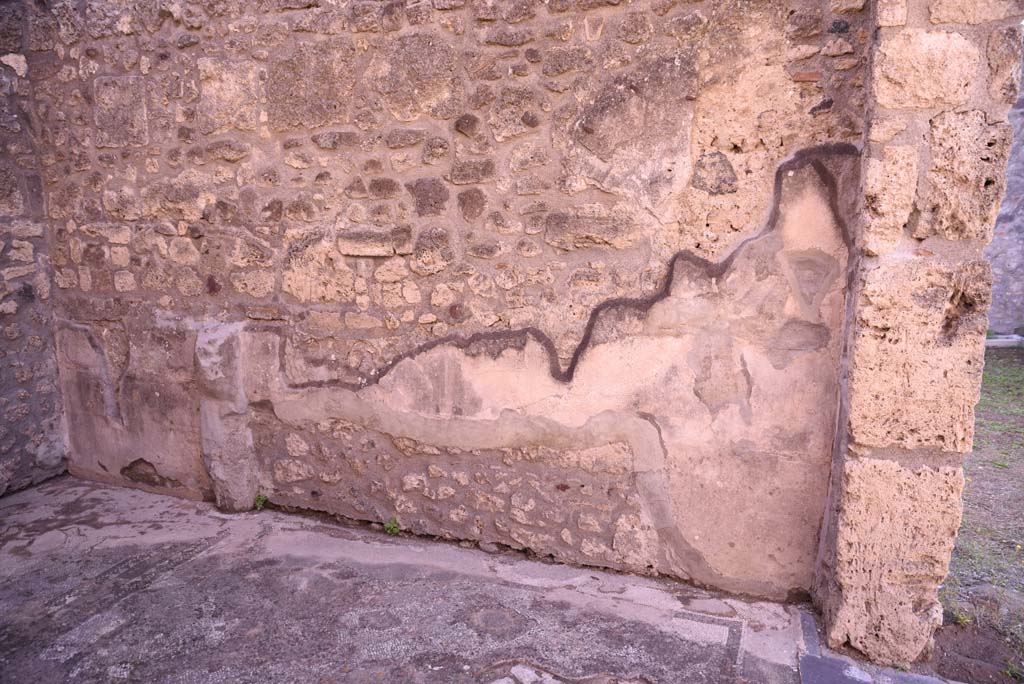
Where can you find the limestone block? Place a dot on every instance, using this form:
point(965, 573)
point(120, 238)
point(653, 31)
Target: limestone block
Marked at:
point(311, 86)
point(967, 176)
point(417, 74)
point(120, 111)
point(971, 11)
point(229, 95)
point(918, 352)
point(890, 187)
point(12, 201)
point(227, 444)
point(891, 12)
point(228, 456)
point(1004, 48)
point(894, 537)
point(916, 68)
point(318, 273)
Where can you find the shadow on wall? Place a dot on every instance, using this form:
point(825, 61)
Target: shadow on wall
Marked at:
point(1006, 251)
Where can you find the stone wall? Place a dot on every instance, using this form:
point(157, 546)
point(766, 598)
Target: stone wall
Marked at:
point(592, 278)
point(32, 445)
point(1006, 252)
point(944, 74)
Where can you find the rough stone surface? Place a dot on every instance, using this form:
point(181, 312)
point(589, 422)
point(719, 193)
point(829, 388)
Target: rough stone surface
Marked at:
point(973, 12)
point(890, 188)
point(916, 68)
point(600, 280)
point(918, 321)
point(32, 446)
point(918, 357)
point(896, 534)
point(967, 176)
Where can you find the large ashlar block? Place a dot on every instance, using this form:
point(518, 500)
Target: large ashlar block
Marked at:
point(890, 186)
point(229, 95)
point(894, 537)
point(971, 11)
point(918, 354)
point(120, 109)
point(919, 69)
point(967, 176)
point(311, 86)
point(1004, 65)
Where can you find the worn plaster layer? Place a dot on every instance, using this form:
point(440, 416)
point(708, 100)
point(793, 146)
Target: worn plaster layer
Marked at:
point(488, 439)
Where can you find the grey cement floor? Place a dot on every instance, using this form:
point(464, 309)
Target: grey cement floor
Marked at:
point(101, 584)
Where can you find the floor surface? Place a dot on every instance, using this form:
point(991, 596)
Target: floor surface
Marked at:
point(102, 584)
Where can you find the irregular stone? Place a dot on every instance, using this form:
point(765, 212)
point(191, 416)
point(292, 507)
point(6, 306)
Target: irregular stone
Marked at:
point(317, 273)
point(17, 63)
point(228, 150)
point(332, 140)
point(398, 138)
point(383, 188)
point(633, 137)
point(12, 21)
point(435, 151)
point(12, 201)
point(468, 124)
point(573, 231)
point(290, 470)
point(466, 171)
point(635, 28)
point(430, 196)
point(432, 252)
point(559, 60)
point(472, 203)
point(366, 242)
point(714, 174)
point(514, 113)
point(254, 283)
point(508, 37)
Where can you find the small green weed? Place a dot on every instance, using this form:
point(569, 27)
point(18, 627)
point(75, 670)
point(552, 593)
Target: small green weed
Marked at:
point(961, 618)
point(260, 502)
point(391, 527)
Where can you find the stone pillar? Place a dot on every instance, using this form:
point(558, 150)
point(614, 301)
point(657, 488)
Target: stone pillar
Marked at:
point(943, 77)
